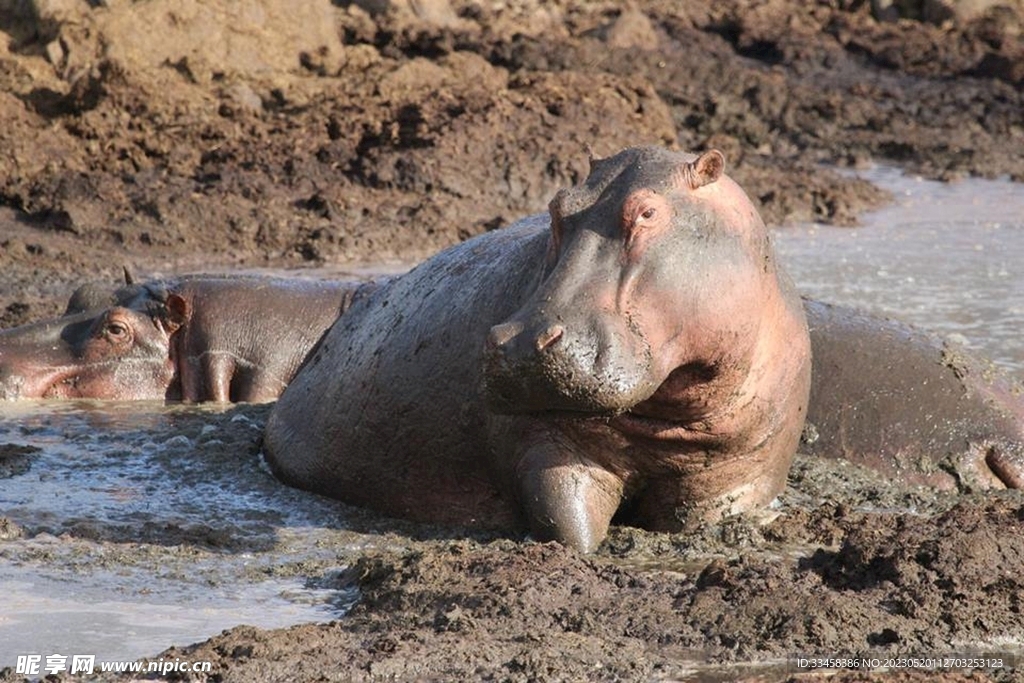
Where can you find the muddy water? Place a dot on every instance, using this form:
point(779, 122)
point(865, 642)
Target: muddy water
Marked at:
point(144, 525)
point(134, 526)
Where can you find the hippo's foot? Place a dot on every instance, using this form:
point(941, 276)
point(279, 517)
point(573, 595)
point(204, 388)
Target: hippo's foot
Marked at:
point(1007, 462)
point(987, 465)
point(566, 498)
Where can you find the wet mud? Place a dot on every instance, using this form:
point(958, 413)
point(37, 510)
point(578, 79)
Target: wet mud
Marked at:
point(524, 611)
point(846, 563)
point(175, 136)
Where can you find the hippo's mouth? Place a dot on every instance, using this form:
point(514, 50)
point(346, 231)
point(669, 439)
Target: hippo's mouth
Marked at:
point(49, 382)
point(37, 383)
point(567, 414)
point(629, 423)
point(635, 424)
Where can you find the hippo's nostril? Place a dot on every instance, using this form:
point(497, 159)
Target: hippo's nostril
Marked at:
point(502, 334)
point(549, 336)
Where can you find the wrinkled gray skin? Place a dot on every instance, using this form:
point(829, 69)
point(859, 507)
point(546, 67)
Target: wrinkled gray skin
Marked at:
point(202, 338)
point(637, 353)
point(901, 401)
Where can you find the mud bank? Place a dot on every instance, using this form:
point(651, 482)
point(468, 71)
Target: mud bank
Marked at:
point(514, 611)
point(180, 135)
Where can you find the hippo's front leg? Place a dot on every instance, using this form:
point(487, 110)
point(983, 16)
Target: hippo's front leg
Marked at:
point(207, 376)
point(219, 369)
point(566, 497)
point(1006, 462)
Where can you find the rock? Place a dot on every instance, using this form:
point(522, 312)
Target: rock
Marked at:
point(633, 29)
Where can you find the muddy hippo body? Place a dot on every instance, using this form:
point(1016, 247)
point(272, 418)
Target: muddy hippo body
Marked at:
point(244, 340)
point(201, 338)
point(637, 353)
point(920, 410)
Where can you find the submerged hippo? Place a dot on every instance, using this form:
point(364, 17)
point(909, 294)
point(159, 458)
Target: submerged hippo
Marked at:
point(909, 405)
point(193, 339)
point(638, 352)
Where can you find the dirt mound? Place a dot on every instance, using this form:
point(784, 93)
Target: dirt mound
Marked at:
point(177, 135)
point(896, 585)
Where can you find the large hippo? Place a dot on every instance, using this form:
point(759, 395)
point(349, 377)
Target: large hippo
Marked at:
point(637, 352)
point(912, 406)
point(203, 338)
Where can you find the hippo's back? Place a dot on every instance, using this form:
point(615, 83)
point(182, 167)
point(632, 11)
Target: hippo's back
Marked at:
point(897, 399)
point(386, 411)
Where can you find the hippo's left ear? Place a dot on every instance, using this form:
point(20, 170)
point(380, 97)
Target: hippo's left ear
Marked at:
point(704, 170)
point(178, 312)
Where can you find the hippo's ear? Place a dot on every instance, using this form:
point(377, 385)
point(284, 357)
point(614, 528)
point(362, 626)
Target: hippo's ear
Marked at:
point(706, 169)
point(178, 312)
point(129, 277)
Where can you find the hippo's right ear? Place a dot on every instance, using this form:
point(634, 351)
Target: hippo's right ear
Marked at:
point(704, 170)
point(178, 312)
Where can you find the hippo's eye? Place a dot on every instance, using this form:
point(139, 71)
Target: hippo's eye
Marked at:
point(648, 213)
point(116, 330)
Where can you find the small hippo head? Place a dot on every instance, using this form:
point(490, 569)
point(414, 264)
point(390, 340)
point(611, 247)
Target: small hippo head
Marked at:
point(653, 266)
point(111, 343)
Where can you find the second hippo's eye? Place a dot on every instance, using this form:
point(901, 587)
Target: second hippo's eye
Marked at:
point(648, 213)
point(116, 330)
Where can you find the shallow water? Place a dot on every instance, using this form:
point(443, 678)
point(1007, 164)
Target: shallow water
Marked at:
point(947, 257)
point(146, 525)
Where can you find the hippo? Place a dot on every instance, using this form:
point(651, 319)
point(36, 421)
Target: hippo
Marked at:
point(916, 408)
point(193, 339)
point(635, 353)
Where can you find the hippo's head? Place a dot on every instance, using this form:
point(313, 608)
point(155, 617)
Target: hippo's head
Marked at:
point(654, 265)
point(111, 343)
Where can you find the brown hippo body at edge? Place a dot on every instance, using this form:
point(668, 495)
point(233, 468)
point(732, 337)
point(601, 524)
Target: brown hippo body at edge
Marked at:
point(638, 353)
point(902, 401)
point(193, 338)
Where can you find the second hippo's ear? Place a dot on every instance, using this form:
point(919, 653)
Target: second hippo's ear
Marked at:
point(178, 312)
point(704, 170)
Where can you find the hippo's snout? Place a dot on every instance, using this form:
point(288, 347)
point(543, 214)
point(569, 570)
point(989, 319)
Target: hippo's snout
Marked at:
point(552, 367)
point(501, 335)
